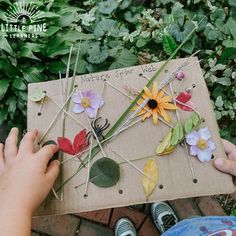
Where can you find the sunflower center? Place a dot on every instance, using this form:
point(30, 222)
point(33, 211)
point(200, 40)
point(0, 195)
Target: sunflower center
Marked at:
point(152, 104)
point(85, 102)
point(202, 144)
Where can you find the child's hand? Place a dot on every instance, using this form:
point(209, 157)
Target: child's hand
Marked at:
point(229, 165)
point(25, 176)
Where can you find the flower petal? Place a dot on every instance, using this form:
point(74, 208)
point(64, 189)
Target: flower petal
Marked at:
point(192, 138)
point(160, 95)
point(166, 99)
point(168, 106)
point(147, 92)
point(193, 150)
point(211, 145)
point(147, 115)
point(78, 108)
point(65, 145)
point(204, 155)
point(77, 96)
point(154, 90)
point(164, 114)
point(204, 133)
point(155, 117)
point(91, 112)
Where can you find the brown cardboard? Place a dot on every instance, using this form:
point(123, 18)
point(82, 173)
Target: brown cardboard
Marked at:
point(139, 141)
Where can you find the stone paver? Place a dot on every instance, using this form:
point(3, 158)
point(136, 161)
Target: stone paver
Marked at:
point(56, 225)
point(148, 228)
point(88, 228)
point(185, 208)
point(101, 216)
point(135, 216)
point(209, 206)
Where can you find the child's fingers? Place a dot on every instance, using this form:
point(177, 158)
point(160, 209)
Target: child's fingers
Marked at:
point(46, 152)
point(27, 143)
point(53, 171)
point(10, 150)
point(226, 166)
point(2, 161)
point(230, 149)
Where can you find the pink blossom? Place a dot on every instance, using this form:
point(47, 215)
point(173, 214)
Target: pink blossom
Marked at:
point(88, 102)
point(200, 145)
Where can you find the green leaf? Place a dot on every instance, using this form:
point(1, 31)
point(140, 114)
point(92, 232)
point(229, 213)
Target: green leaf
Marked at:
point(165, 143)
point(6, 46)
point(219, 14)
point(37, 96)
point(169, 44)
point(180, 34)
point(228, 53)
point(178, 15)
point(97, 54)
point(232, 3)
point(228, 43)
point(3, 115)
point(219, 102)
point(4, 84)
point(141, 42)
point(181, 132)
point(19, 84)
point(104, 173)
point(189, 46)
point(107, 7)
point(188, 126)
point(11, 102)
point(125, 59)
point(175, 135)
point(104, 27)
point(195, 119)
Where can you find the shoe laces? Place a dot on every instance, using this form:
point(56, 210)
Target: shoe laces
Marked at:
point(168, 221)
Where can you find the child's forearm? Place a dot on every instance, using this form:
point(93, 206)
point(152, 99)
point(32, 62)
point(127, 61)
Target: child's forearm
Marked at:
point(14, 221)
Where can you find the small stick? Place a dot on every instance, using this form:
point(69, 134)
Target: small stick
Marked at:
point(136, 168)
point(55, 118)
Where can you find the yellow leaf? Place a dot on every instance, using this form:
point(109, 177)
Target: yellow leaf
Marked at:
point(164, 144)
point(149, 181)
point(168, 150)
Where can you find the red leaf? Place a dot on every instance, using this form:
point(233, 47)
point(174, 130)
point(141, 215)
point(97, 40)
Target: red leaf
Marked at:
point(186, 107)
point(184, 97)
point(65, 145)
point(80, 142)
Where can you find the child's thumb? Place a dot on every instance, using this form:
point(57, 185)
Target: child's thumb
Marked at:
point(226, 166)
point(53, 170)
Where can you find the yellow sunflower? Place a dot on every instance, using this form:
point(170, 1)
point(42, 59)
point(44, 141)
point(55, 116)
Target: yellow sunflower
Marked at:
point(156, 105)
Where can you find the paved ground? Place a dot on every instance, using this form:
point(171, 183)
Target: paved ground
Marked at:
point(101, 223)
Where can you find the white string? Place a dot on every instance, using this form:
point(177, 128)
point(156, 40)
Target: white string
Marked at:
point(178, 118)
point(88, 173)
point(136, 168)
point(55, 118)
point(71, 116)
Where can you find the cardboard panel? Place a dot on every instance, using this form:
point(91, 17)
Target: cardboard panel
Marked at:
point(136, 142)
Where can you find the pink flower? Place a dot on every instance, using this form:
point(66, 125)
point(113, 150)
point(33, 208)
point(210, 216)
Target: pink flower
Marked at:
point(88, 102)
point(200, 145)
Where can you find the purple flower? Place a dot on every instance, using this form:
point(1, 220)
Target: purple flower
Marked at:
point(88, 102)
point(200, 145)
point(180, 75)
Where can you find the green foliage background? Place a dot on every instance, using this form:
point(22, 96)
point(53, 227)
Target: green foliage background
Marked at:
point(121, 33)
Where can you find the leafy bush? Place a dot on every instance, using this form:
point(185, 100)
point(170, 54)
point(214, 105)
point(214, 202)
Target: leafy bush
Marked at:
point(119, 33)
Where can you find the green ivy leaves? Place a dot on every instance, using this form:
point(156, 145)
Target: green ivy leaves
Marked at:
point(177, 134)
point(104, 173)
point(4, 84)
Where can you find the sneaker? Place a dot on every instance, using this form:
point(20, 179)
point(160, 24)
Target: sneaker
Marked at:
point(163, 216)
point(124, 227)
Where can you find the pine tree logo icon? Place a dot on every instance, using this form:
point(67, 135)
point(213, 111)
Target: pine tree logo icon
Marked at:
point(23, 13)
